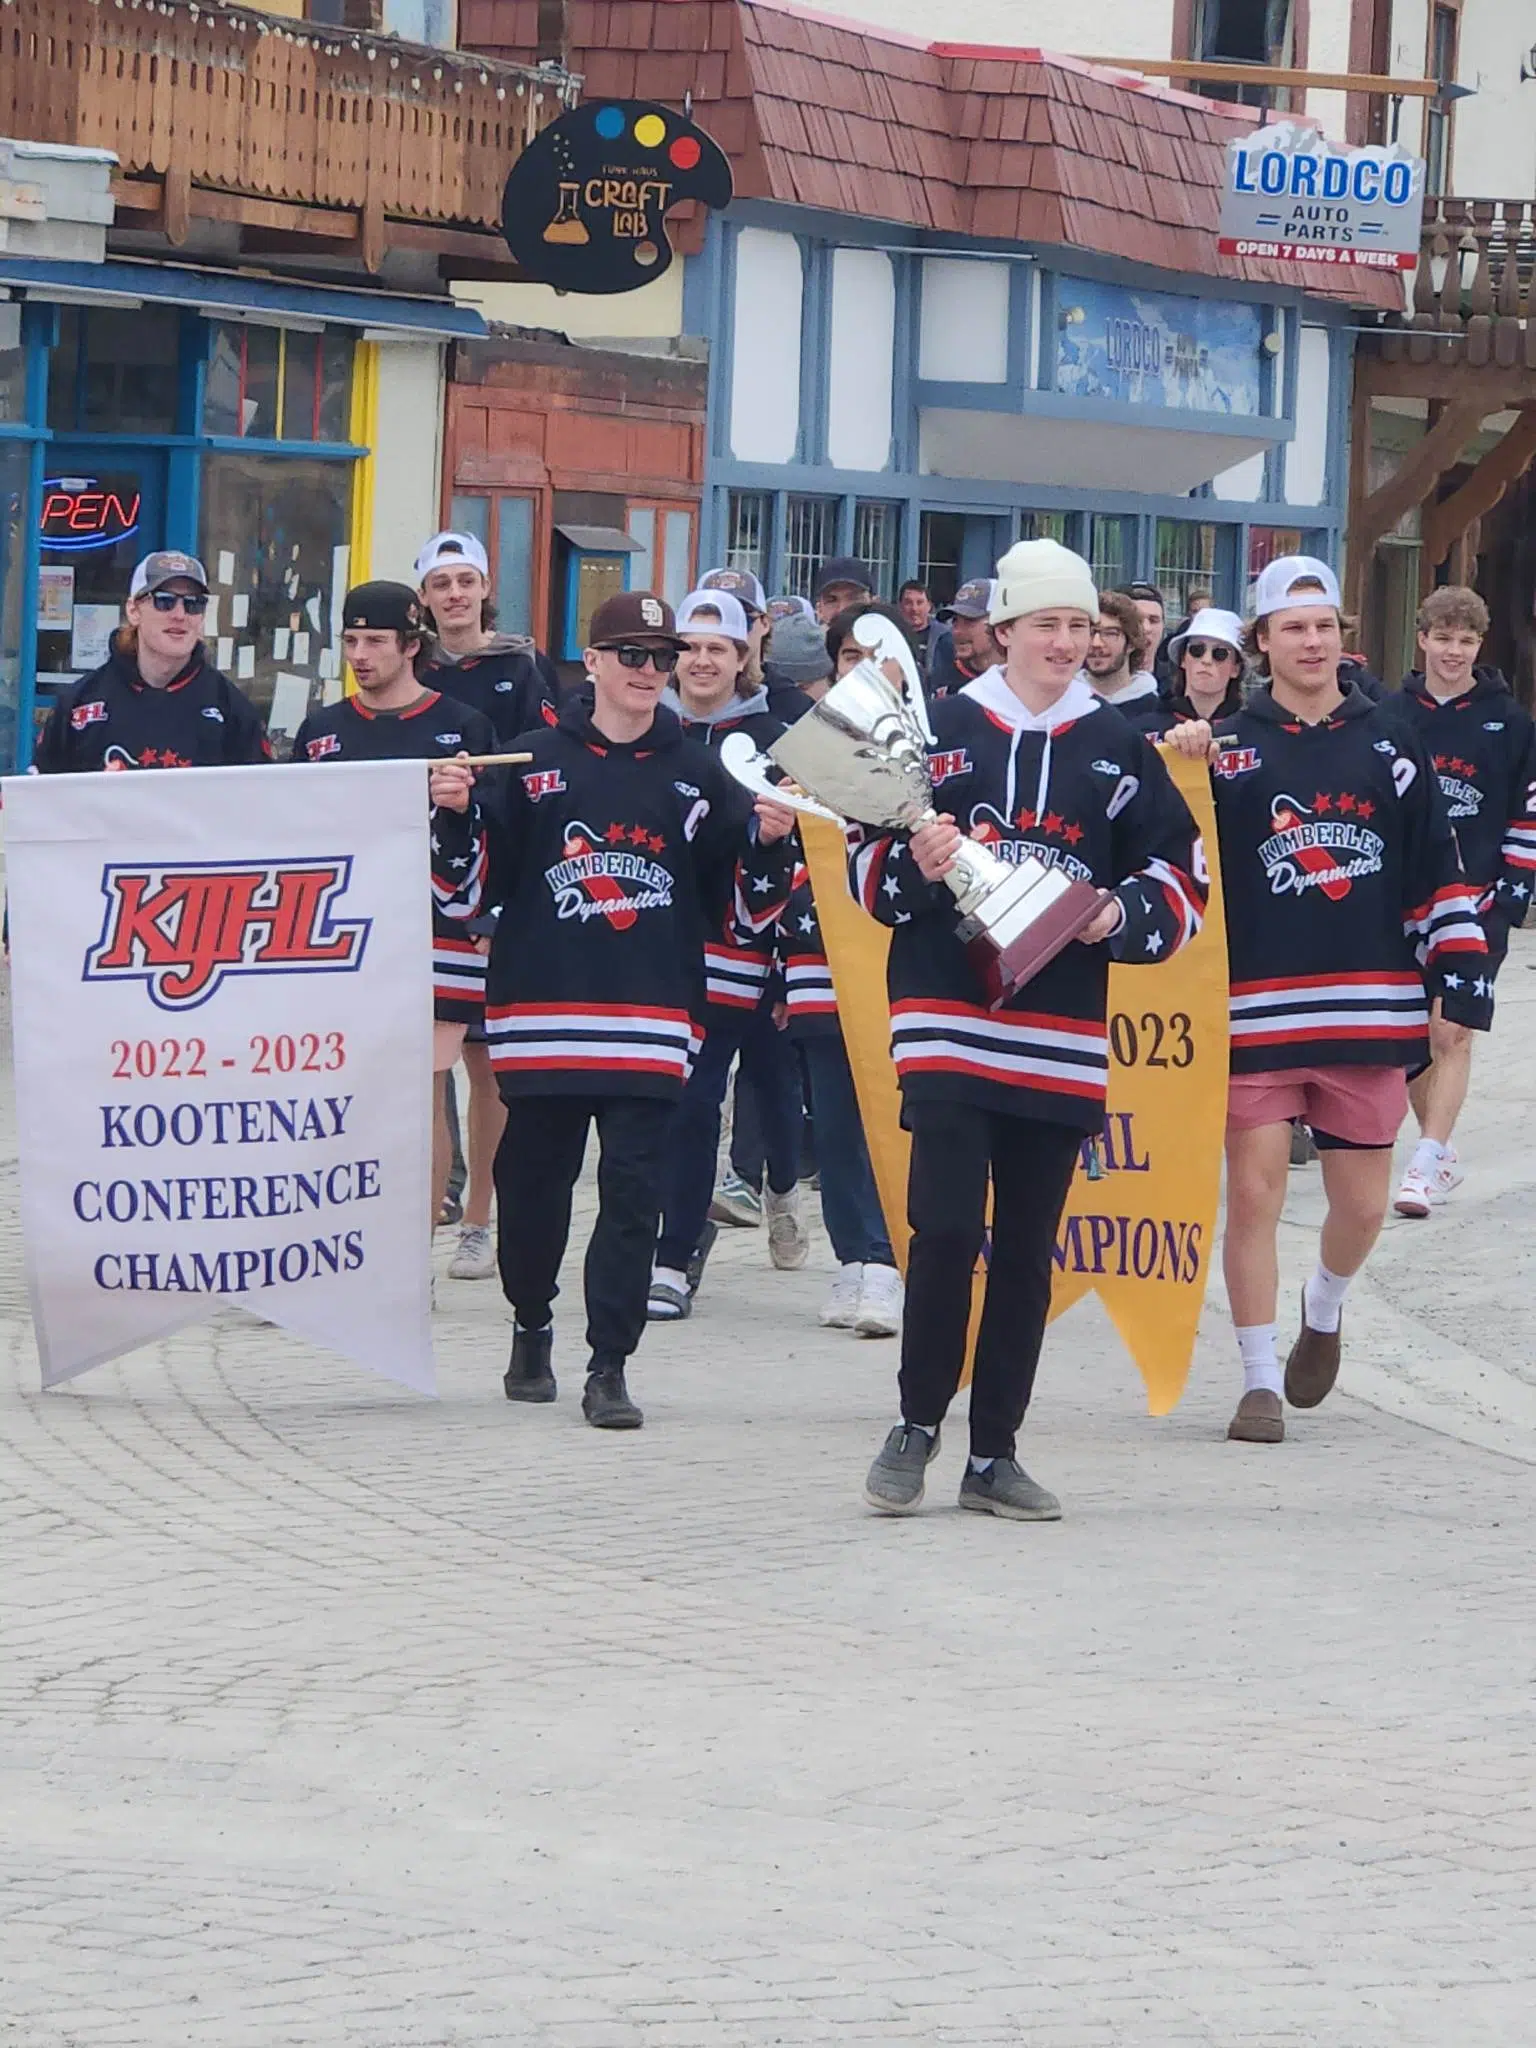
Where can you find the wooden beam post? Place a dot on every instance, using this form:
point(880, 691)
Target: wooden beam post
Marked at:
point(1375, 516)
point(1503, 465)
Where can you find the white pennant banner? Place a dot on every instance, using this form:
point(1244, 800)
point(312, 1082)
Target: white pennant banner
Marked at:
point(222, 1003)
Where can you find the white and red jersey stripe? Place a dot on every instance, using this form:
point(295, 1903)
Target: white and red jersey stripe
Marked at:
point(808, 987)
point(458, 971)
point(600, 1039)
point(1025, 1049)
point(735, 976)
point(1447, 923)
point(1324, 1016)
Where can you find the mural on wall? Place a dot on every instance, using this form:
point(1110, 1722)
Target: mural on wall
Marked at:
point(1152, 348)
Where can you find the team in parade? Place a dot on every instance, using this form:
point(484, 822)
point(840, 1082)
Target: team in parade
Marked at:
point(618, 925)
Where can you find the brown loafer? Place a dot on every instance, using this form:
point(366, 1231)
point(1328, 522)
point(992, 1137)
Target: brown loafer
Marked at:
point(1260, 1419)
point(1313, 1365)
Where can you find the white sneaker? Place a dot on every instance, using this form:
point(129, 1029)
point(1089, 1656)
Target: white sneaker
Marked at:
point(840, 1310)
point(475, 1258)
point(1446, 1178)
point(1415, 1195)
point(788, 1239)
point(880, 1300)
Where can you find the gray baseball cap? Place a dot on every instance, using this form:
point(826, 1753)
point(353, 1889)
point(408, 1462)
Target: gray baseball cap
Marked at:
point(166, 565)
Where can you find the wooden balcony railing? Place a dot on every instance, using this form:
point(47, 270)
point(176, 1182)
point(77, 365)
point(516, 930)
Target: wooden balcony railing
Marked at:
point(1474, 292)
point(281, 126)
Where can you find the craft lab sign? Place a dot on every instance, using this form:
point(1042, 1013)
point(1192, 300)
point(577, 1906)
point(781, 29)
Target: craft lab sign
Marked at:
point(585, 207)
point(1293, 196)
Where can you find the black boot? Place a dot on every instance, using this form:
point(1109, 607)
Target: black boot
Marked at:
point(694, 1270)
point(528, 1375)
point(606, 1403)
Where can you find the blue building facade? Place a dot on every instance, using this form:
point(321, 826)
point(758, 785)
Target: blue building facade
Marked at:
point(923, 403)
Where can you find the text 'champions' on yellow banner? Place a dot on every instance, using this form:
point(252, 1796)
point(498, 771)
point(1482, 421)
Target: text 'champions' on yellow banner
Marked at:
point(1141, 1235)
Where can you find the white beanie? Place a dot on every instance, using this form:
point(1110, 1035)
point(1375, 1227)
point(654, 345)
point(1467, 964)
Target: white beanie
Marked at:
point(1039, 575)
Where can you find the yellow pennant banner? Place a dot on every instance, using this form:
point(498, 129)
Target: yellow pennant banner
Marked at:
point(1140, 1222)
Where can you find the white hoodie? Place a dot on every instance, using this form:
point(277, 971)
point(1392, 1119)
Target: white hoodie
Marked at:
point(990, 690)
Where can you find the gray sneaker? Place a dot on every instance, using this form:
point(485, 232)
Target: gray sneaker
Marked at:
point(1006, 1489)
point(895, 1482)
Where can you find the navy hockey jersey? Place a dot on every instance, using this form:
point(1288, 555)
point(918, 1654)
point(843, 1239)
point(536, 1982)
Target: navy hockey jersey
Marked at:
point(1482, 747)
point(199, 719)
point(612, 863)
point(1082, 790)
point(1347, 908)
point(504, 684)
point(433, 729)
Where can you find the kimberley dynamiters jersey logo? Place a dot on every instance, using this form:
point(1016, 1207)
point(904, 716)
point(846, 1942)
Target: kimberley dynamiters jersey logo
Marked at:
point(610, 875)
point(1308, 842)
point(182, 929)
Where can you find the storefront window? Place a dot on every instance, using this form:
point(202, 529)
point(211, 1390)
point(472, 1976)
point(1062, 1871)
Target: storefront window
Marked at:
point(641, 525)
point(1185, 560)
point(13, 364)
point(15, 457)
point(269, 383)
point(275, 541)
point(1267, 544)
point(810, 536)
point(1043, 526)
point(114, 370)
point(1108, 554)
point(940, 537)
point(749, 522)
point(876, 543)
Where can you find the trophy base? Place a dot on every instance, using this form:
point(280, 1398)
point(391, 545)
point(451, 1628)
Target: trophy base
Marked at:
point(1004, 968)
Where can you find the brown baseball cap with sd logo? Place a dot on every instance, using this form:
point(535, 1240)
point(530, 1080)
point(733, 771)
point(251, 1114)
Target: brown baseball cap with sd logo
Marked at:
point(634, 618)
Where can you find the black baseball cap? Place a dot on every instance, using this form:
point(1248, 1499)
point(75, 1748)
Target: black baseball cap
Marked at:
point(972, 600)
point(384, 607)
point(843, 569)
point(1147, 592)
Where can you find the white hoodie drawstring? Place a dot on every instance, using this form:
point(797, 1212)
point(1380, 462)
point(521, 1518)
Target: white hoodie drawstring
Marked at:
point(1045, 775)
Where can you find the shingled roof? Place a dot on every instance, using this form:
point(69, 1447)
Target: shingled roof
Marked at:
point(1013, 145)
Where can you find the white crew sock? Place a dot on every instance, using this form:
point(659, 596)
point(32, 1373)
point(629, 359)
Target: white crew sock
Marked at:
point(668, 1276)
point(1323, 1299)
point(981, 1464)
point(1427, 1155)
point(929, 1430)
point(1261, 1366)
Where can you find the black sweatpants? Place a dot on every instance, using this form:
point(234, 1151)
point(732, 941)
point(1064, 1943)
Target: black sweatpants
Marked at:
point(955, 1149)
point(537, 1163)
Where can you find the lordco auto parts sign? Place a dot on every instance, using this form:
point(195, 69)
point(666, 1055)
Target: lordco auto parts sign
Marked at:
point(1293, 196)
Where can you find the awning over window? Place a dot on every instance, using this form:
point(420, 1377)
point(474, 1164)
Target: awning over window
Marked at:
point(216, 293)
point(600, 540)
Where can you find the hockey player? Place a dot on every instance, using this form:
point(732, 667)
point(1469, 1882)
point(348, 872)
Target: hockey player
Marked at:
point(1347, 915)
point(156, 702)
point(1028, 759)
point(393, 717)
point(1482, 747)
point(611, 856)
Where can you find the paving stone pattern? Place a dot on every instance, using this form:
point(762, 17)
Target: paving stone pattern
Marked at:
point(333, 1716)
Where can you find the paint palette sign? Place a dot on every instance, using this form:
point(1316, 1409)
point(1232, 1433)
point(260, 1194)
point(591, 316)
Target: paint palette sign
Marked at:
point(585, 206)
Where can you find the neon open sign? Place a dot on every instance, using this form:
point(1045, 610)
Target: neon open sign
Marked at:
point(79, 515)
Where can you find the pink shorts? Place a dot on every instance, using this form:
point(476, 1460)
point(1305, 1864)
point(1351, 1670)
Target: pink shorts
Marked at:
point(1349, 1108)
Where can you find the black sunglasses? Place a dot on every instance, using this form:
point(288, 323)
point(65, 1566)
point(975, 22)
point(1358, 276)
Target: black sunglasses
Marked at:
point(1216, 649)
point(167, 601)
point(638, 657)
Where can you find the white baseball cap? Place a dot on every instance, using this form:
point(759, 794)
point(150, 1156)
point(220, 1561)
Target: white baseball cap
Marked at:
point(1276, 587)
point(728, 610)
point(451, 548)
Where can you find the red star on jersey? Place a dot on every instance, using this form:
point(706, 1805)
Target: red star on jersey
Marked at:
point(615, 835)
point(1365, 808)
point(658, 844)
point(1072, 834)
point(1322, 803)
point(1025, 821)
point(638, 836)
point(1053, 823)
point(149, 758)
point(1346, 803)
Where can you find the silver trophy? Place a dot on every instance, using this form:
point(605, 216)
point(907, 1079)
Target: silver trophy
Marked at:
point(861, 753)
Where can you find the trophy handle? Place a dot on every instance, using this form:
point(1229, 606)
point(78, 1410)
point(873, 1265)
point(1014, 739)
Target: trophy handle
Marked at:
point(740, 758)
point(883, 641)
